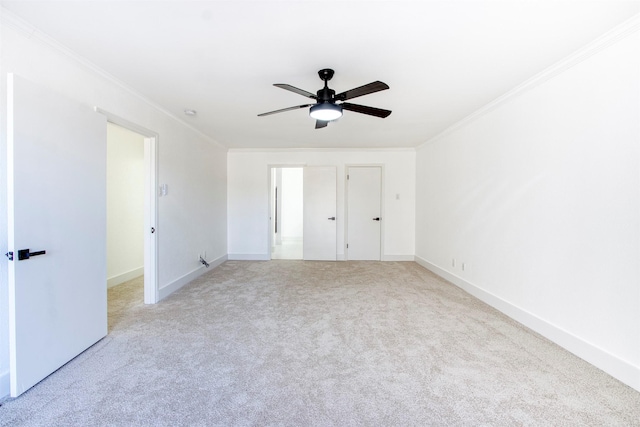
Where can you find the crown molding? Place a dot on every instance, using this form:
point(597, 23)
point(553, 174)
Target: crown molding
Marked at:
point(13, 21)
point(609, 38)
point(27, 30)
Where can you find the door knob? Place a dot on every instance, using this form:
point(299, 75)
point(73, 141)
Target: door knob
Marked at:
point(333, 218)
point(376, 219)
point(24, 254)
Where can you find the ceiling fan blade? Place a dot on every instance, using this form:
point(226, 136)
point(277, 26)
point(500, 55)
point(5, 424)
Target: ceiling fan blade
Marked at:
point(321, 124)
point(378, 112)
point(296, 90)
point(297, 107)
point(376, 86)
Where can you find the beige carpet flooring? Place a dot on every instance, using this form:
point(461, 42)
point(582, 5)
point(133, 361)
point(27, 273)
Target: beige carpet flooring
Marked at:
point(294, 343)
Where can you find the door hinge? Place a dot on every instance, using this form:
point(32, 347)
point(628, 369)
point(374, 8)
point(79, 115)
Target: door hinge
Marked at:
point(347, 177)
point(347, 246)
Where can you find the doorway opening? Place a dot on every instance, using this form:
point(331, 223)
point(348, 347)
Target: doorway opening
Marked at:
point(125, 212)
point(312, 232)
point(148, 226)
point(287, 201)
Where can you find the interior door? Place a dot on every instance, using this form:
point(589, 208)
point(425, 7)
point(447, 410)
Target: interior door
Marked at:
point(364, 219)
point(319, 217)
point(56, 213)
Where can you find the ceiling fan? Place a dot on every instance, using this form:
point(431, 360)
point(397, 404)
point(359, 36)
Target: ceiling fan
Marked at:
point(326, 109)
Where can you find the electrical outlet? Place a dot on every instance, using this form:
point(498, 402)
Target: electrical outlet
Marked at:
point(453, 262)
point(463, 266)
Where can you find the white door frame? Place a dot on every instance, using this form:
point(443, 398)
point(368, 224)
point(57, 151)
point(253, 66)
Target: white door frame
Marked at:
point(269, 184)
point(346, 205)
point(151, 292)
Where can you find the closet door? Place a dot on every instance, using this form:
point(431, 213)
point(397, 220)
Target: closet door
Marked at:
point(364, 207)
point(319, 242)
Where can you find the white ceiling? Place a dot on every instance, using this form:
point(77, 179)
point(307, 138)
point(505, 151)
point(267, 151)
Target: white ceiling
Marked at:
point(442, 59)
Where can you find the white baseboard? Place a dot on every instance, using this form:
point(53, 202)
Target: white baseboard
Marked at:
point(124, 277)
point(249, 257)
point(5, 386)
point(167, 290)
point(343, 257)
point(398, 258)
point(600, 358)
point(267, 257)
point(339, 257)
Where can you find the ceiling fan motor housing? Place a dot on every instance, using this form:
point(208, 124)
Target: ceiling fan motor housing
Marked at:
point(326, 95)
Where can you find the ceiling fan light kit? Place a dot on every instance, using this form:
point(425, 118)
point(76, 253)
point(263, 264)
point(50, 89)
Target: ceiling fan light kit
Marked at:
point(326, 109)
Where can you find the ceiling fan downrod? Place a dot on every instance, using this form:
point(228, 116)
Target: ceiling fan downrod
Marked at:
point(325, 94)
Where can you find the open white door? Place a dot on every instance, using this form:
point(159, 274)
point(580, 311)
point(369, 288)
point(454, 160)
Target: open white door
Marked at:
point(56, 164)
point(363, 204)
point(319, 218)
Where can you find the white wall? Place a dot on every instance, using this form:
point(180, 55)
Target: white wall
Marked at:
point(192, 217)
point(248, 196)
point(539, 198)
point(125, 204)
point(292, 203)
